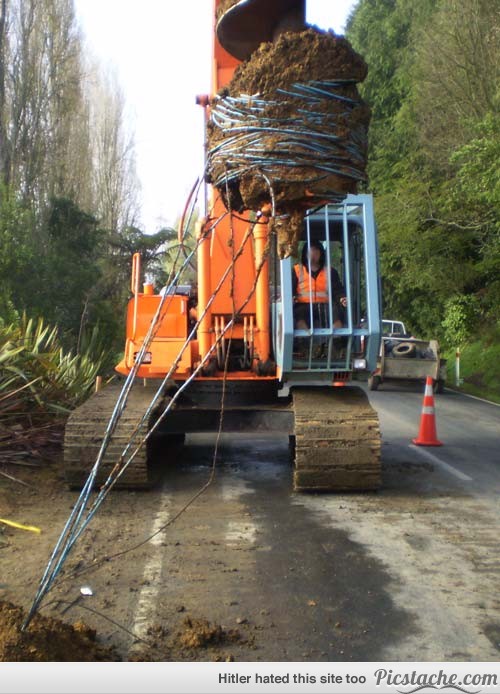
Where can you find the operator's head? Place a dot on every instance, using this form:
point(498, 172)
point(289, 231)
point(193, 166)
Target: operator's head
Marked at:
point(313, 252)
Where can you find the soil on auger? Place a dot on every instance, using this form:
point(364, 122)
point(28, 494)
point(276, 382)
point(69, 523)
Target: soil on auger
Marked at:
point(309, 58)
point(224, 5)
point(303, 56)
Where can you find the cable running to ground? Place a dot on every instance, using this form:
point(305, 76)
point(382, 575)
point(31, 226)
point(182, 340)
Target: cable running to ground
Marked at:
point(75, 525)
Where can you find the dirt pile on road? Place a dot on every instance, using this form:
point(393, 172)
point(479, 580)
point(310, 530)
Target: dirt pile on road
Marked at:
point(47, 639)
point(198, 633)
point(290, 127)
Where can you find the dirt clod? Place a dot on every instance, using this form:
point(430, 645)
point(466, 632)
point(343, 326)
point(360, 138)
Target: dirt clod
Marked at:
point(85, 630)
point(199, 633)
point(47, 639)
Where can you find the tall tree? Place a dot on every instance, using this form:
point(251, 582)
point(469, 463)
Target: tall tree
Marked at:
point(434, 88)
point(385, 32)
point(116, 183)
point(4, 149)
point(40, 98)
point(457, 75)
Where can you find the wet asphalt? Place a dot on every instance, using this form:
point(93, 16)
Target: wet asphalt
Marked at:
point(410, 572)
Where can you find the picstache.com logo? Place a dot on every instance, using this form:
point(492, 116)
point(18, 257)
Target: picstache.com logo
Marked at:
point(441, 681)
point(424, 687)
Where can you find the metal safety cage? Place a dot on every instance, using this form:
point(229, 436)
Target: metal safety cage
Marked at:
point(337, 340)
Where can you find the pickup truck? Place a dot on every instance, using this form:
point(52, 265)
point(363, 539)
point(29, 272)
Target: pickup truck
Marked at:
point(404, 358)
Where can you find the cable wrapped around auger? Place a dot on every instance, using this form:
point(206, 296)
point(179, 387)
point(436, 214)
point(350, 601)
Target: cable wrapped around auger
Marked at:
point(254, 140)
point(310, 143)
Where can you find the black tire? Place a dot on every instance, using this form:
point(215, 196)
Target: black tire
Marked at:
point(404, 349)
point(291, 448)
point(374, 382)
point(439, 386)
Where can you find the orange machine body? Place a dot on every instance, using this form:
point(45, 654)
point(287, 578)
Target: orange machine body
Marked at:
point(217, 244)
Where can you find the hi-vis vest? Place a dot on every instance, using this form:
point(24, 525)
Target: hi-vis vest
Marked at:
point(311, 290)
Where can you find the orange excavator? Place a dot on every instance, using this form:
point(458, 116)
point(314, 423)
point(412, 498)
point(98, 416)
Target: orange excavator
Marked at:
point(233, 337)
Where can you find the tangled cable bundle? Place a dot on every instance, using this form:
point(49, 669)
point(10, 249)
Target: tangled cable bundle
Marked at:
point(300, 128)
point(320, 154)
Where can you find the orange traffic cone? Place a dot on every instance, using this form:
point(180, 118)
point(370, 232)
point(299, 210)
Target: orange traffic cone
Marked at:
point(427, 435)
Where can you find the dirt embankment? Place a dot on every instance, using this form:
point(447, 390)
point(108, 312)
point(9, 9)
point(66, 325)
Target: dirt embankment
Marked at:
point(269, 138)
point(47, 639)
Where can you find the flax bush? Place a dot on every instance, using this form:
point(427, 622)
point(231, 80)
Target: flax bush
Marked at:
point(38, 377)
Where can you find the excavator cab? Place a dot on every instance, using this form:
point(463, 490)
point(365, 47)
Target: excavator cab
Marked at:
point(326, 352)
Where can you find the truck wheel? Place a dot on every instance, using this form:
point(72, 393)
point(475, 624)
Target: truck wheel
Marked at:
point(373, 382)
point(404, 349)
point(439, 386)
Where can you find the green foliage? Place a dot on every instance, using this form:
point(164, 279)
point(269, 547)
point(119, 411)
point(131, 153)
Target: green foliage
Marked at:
point(94, 344)
point(63, 267)
point(68, 187)
point(38, 377)
point(456, 77)
point(479, 364)
point(460, 318)
point(69, 273)
point(151, 246)
point(176, 253)
point(17, 253)
point(48, 265)
point(434, 89)
point(385, 33)
point(478, 173)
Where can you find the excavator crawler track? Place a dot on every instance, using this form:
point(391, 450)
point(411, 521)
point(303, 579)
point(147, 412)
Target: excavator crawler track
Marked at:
point(337, 440)
point(85, 431)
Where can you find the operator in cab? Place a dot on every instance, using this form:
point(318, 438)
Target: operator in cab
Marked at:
point(310, 286)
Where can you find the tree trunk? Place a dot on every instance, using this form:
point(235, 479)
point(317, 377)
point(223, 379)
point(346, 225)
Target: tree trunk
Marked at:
point(4, 146)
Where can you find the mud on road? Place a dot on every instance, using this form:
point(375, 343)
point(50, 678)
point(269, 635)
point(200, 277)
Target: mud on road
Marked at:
point(246, 573)
point(254, 572)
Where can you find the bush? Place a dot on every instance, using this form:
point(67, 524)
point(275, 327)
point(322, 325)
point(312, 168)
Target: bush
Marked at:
point(38, 378)
point(460, 319)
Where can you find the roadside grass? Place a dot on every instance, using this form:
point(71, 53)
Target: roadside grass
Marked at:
point(479, 367)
